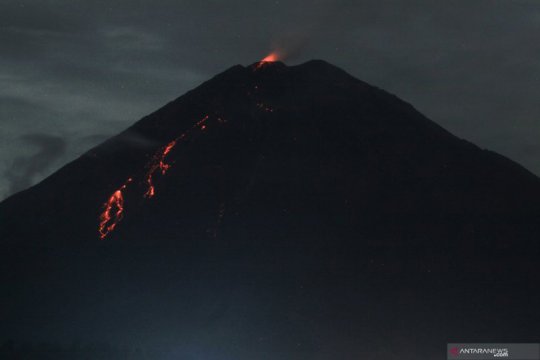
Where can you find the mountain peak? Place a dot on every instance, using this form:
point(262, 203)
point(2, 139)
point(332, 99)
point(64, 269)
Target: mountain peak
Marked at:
point(314, 66)
point(269, 185)
point(259, 65)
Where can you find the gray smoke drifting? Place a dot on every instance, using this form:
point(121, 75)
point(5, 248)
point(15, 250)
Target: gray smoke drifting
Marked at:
point(20, 175)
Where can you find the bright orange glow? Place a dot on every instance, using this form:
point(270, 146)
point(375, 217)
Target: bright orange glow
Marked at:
point(157, 163)
point(272, 57)
point(113, 208)
point(113, 211)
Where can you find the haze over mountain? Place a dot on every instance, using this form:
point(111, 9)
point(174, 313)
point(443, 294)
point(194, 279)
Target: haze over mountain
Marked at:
point(277, 212)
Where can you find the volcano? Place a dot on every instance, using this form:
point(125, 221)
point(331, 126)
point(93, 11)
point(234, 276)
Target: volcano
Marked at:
point(277, 212)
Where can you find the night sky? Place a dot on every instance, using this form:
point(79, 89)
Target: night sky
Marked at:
point(73, 73)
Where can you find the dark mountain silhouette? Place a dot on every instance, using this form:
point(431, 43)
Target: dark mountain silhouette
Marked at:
point(277, 212)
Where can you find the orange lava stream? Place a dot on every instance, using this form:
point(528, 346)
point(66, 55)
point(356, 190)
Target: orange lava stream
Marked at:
point(113, 211)
point(158, 160)
point(158, 163)
point(113, 208)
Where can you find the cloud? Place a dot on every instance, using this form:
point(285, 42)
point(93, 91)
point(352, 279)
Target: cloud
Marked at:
point(20, 175)
point(78, 68)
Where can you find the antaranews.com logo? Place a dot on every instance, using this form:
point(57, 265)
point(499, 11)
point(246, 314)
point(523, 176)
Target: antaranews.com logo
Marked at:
point(497, 352)
point(493, 351)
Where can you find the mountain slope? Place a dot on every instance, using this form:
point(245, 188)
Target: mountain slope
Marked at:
point(278, 212)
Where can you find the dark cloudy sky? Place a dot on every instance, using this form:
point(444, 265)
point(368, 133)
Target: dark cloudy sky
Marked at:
point(73, 73)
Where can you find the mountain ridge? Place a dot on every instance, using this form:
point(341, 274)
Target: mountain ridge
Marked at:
point(295, 202)
point(234, 69)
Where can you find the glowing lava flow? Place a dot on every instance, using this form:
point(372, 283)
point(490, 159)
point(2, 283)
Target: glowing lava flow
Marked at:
point(158, 160)
point(113, 208)
point(158, 163)
point(113, 211)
